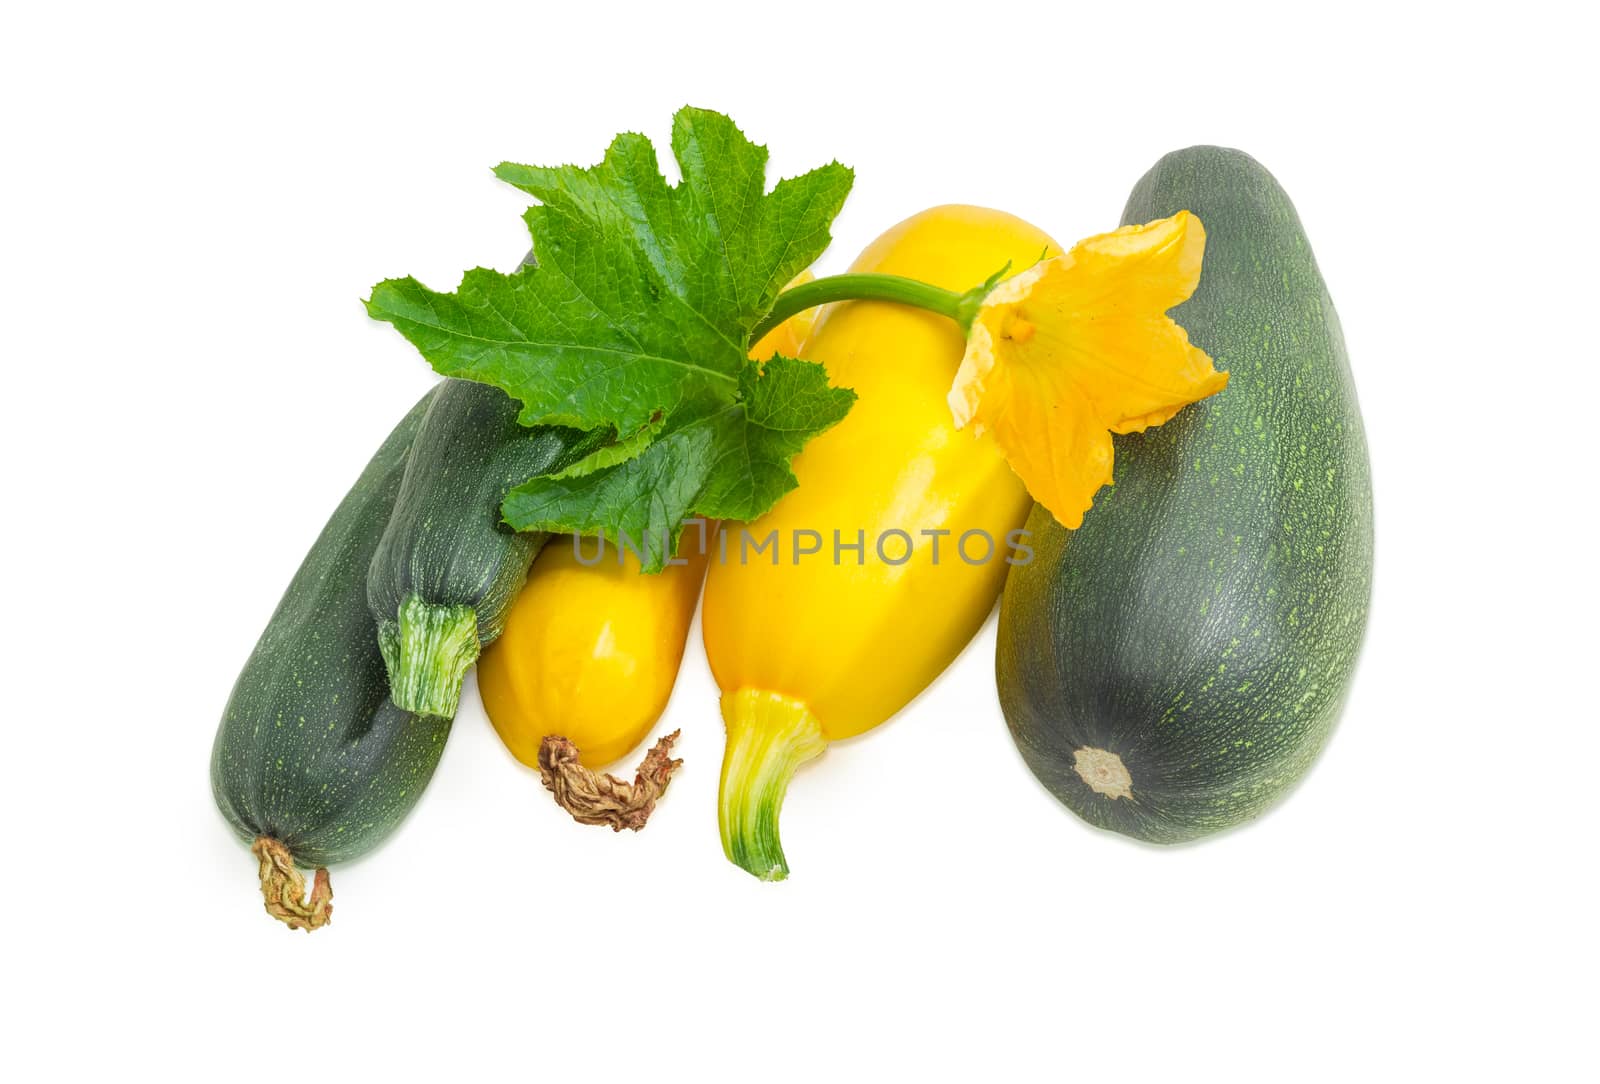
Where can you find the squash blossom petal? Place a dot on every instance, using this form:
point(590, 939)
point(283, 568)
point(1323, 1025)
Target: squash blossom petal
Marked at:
point(1079, 347)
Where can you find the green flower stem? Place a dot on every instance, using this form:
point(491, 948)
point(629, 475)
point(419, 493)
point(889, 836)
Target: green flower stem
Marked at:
point(428, 649)
point(867, 287)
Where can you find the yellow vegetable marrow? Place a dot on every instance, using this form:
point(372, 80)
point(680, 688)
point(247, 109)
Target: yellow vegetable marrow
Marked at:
point(590, 651)
point(811, 647)
point(589, 656)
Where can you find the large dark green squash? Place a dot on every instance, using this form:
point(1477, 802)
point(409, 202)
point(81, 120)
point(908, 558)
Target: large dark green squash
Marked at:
point(312, 762)
point(1172, 667)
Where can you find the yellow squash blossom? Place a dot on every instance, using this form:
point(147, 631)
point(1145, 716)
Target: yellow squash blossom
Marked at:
point(1079, 347)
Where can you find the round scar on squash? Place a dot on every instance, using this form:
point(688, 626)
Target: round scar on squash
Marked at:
point(1104, 772)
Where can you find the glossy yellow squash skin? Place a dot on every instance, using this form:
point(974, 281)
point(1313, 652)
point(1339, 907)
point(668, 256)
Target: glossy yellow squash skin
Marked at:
point(813, 652)
point(590, 652)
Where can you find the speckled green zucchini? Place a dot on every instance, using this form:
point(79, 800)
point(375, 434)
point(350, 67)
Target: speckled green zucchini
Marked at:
point(312, 763)
point(447, 568)
point(1172, 667)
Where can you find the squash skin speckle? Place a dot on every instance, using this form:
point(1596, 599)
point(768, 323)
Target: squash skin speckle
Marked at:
point(1203, 624)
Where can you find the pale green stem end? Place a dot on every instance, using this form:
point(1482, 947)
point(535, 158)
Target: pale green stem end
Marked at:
point(428, 650)
point(769, 736)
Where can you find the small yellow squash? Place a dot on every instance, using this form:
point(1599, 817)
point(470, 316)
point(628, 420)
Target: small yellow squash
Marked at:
point(590, 652)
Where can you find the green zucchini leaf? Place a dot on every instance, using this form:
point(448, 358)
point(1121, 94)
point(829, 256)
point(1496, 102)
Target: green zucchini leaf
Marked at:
point(720, 460)
point(633, 317)
point(644, 294)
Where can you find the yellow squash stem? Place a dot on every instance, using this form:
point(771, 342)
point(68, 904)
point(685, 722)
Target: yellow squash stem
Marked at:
point(601, 798)
point(769, 736)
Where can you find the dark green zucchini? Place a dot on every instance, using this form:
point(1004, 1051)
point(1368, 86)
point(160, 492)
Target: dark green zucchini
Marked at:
point(1176, 664)
point(312, 763)
point(447, 568)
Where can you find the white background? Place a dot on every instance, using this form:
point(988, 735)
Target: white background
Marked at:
point(195, 201)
